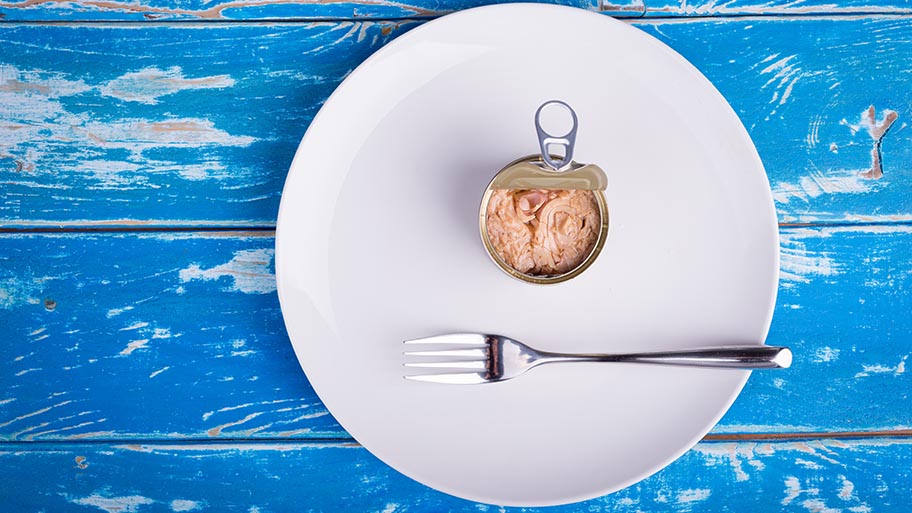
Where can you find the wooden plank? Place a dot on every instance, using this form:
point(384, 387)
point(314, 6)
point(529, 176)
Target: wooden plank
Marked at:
point(123, 10)
point(157, 10)
point(196, 125)
point(180, 336)
point(163, 335)
point(813, 475)
point(162, 119)
point(816, 97)
point(704, 8)
point(843, 306)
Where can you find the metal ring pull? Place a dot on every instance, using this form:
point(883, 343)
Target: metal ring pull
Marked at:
point(566, 141)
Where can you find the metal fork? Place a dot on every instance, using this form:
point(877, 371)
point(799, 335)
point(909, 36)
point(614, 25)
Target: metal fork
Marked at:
point(484, 358)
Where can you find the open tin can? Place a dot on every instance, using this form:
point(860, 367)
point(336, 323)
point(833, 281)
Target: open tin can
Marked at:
point(544, 218)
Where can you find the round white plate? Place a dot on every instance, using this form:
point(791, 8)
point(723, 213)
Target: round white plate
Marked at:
point(378, 242)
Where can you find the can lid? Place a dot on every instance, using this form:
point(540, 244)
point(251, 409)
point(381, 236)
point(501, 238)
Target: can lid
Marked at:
point(550, 170)
point(531, 173)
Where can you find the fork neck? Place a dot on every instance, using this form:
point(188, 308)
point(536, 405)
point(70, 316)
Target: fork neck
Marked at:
point(543, 357)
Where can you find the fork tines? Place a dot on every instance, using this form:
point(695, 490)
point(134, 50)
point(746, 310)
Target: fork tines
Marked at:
point(460, 352)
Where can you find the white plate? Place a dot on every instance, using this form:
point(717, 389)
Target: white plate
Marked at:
point(378, 242)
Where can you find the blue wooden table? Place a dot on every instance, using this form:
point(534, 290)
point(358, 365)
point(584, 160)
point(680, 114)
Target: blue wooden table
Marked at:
point(145, 367)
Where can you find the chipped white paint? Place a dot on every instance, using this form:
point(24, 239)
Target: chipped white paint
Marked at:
point(869, 122)
point(808, 493)
point(248, 405)
point(149, 84)
point(694, 495)
point(895, 370)
point(33, 119)
point(216, 431)
point(818, 183)
point(846, 181)
point(807, 464)
point(792, 490)
point(826, 354)
point(306, 416)
point(201, 171)
point(37, 332)
point(734, 454)
point(390, 508)
point(133, 346)
point(813, 136)
point(828, 231)
point(877, 129)
point(139, 135)
point(763, 428)
point(114, 312)
point(161, 333)
point(159, 371)
point(15, 292)
point(818, 452)
point(785, 74)
point(126, 504)
point(185, 505)
point(34, 413)
point(135, 326)
point(250, 270)
point(818, 506)
point(37, 82)
point(848, 489)
point(797, 263)
point(33, 436)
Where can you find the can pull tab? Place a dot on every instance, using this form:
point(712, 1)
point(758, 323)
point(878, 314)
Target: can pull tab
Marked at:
point(548, 141)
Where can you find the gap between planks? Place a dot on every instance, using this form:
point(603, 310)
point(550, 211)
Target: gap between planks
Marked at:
point(268, 230)
point(347, 441)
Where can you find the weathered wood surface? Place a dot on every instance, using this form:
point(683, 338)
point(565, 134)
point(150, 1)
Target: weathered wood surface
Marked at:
point(151, 371)
point(196, 125)
point(824, 476)
point(289, 10)
point(706, 8)
point(224, 10)
point(181, 336)
point(173, 123)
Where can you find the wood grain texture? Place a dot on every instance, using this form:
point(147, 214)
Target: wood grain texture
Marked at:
point(713, 8)
point(143, 123)
point(314, 10)
point(196, 125)
point(816, 475)
point(163, 336)
point(825, 104)
point(274, 10)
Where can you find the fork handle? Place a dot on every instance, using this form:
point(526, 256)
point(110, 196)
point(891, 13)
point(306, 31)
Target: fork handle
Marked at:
point(728, 357)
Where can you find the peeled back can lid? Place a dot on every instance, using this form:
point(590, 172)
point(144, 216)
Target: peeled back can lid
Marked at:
point(552, 171)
